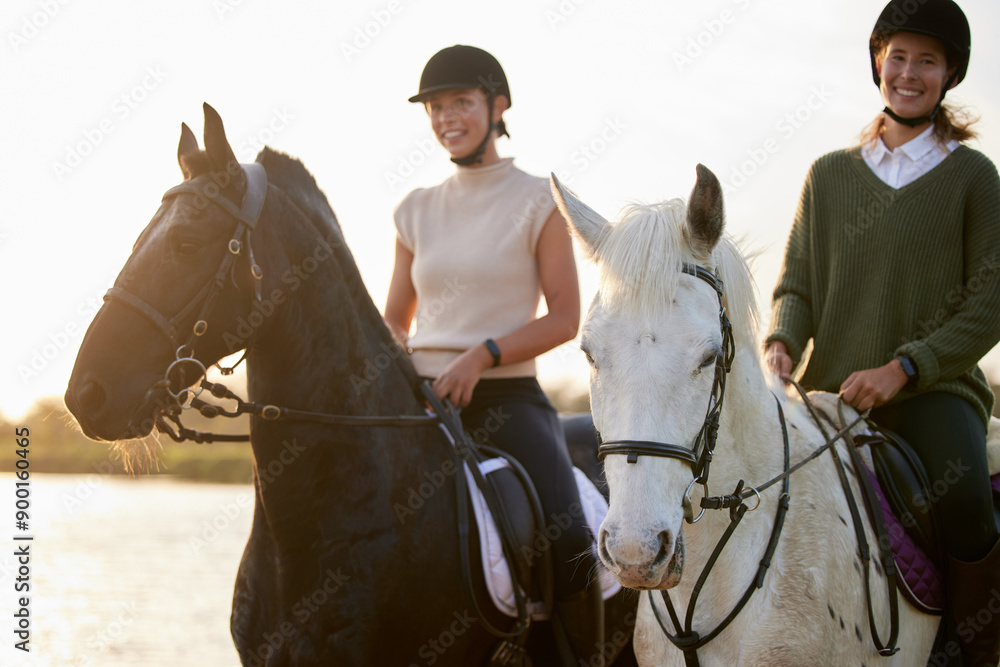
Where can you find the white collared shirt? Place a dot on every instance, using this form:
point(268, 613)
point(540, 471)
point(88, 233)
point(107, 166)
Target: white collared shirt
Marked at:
point(908, 162)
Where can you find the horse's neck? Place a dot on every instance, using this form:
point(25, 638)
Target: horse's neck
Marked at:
point(325, 347)
point(323, 357)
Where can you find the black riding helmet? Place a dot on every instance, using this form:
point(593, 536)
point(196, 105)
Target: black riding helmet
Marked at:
point(942, 19)
point(463, 66)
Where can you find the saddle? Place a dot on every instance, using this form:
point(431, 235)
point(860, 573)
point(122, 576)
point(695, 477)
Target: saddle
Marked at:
point(508, 514)
point(906, 499)
point(532, 541)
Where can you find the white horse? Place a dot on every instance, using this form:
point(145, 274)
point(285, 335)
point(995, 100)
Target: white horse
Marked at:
point(653, 340)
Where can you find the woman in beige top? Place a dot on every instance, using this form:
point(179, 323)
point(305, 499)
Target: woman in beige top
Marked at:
point(473, 257)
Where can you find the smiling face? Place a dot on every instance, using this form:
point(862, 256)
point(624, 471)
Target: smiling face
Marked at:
point(460, 120)
point(914, 70)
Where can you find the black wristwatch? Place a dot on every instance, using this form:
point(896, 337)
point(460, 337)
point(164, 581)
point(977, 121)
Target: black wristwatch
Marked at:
point(494, 351)
point(909, 368)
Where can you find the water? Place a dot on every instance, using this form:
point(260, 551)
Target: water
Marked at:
point(125, 571)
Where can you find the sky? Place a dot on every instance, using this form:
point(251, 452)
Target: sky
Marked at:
point(620, 99)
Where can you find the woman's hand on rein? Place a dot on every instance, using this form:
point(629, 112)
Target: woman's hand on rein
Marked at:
point(778, 359)
point(460, 377)
point(873, 387)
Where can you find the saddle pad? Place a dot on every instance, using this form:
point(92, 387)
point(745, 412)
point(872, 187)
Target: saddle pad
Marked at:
point(498, 580)
point(919, 577)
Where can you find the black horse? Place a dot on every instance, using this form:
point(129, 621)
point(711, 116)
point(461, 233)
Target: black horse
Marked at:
point(353, 557)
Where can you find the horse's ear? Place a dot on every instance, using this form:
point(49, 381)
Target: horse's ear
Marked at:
point(220, 154)
point(588, 224)
point(187, 149)
point(705, 212)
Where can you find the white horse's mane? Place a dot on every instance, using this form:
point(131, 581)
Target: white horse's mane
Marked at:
point(641, 257)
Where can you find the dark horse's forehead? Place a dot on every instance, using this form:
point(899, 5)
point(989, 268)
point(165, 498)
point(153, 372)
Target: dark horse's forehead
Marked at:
point(193, 210)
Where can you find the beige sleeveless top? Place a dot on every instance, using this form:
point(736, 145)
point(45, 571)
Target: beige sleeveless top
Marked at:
point(473, 239)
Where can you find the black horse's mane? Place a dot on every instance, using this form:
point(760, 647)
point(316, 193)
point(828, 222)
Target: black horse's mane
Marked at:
point(292, 177)
point(298, 184)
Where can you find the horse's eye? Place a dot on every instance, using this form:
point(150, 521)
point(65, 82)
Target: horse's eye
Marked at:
point(708, 361)
point(187, 248)
point(586, 353)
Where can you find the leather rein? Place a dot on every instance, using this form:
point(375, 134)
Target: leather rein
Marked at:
point(699, 457)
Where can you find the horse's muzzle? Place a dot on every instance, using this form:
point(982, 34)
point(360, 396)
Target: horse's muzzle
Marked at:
point(655, 563)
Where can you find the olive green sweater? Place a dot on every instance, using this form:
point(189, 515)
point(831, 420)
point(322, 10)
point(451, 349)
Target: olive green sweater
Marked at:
point(871, 272)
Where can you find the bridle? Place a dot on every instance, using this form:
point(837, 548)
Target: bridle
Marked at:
point(699, 454)
point(246, 215)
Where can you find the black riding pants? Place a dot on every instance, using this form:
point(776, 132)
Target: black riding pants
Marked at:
point(513, 415)
point(950, 439)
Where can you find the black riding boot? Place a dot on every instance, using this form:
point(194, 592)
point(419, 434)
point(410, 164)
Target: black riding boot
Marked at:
point(975, 605)
point(581, 620)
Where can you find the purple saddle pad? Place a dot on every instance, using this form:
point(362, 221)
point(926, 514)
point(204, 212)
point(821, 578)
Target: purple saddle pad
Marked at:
point(919, 576)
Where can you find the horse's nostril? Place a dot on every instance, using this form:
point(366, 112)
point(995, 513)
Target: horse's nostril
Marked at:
point(666, 544)
point(91, 398)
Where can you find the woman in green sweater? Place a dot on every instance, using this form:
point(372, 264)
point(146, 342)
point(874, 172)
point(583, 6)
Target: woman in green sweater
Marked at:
point(892, 269)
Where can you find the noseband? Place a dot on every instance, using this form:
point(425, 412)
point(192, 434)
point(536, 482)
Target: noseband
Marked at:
point(699, 454)
point(246, 216)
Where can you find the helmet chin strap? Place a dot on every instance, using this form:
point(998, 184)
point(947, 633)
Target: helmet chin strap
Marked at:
point(476, 156)
point(912, 122)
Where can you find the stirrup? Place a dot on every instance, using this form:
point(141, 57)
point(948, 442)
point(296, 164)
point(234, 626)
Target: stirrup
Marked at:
point(508, 654)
